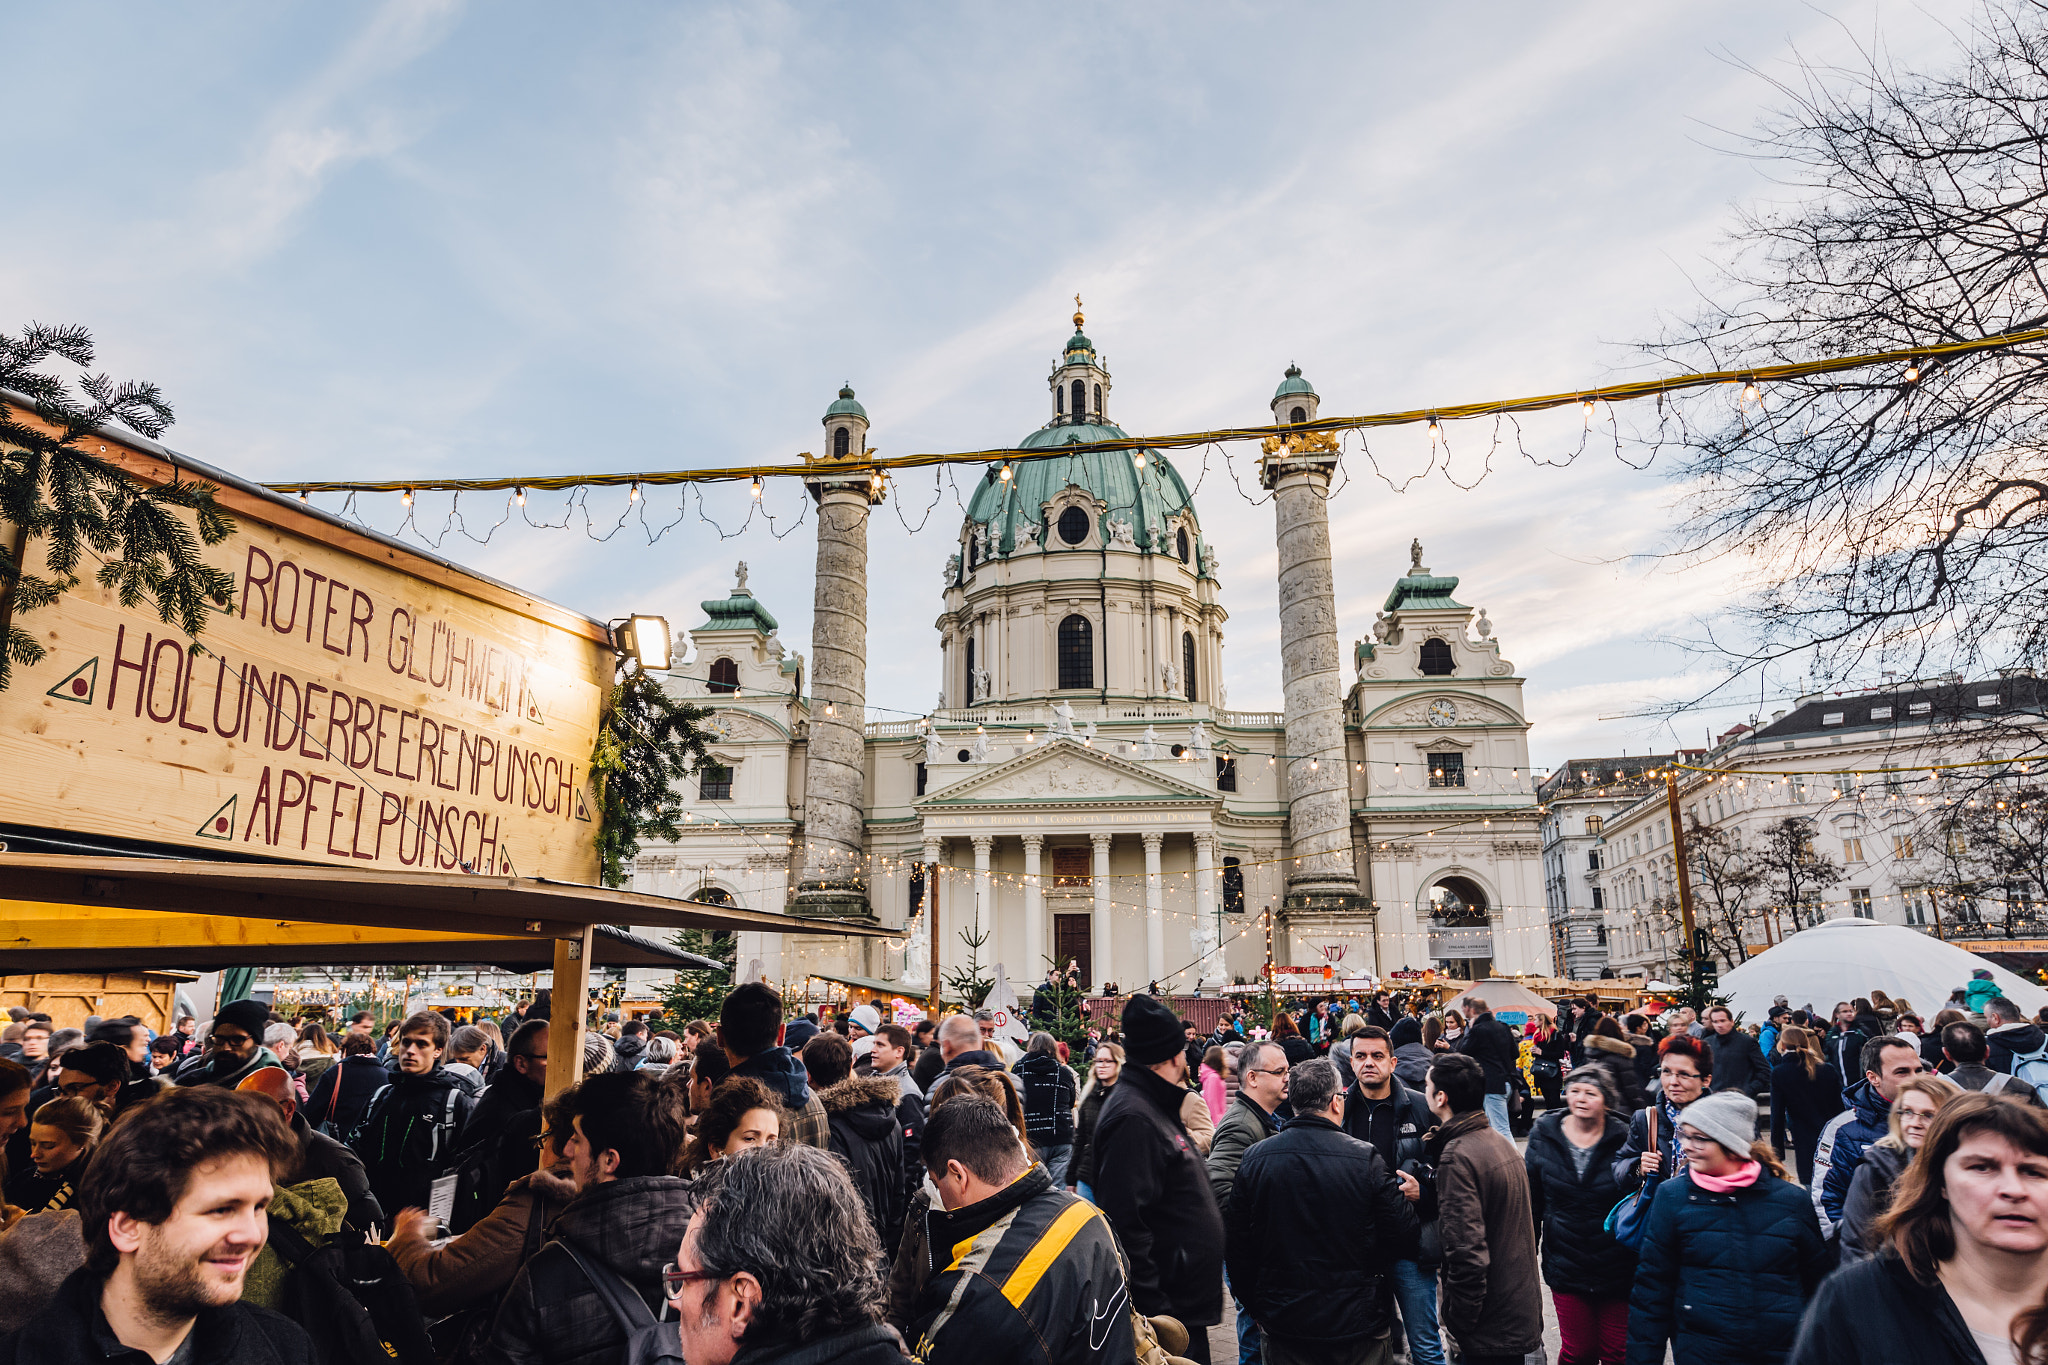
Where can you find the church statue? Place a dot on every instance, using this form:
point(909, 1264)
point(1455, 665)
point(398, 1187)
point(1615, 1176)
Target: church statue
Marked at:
point(1120, 532)
point(934, 747)
point(952, 570)
point(1205, 941)
point(1148, 745)
point(740, 577)
point(917, 967)
point(1027, 535)
point(980, 684)
point(1170, 676)
point(981, 748)
point(1415, 557)
point(1198, 741)
point(1063, 718)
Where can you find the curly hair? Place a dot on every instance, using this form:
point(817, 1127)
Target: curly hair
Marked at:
point(791, 1217)
point(996, 1085)
point(735, 1098)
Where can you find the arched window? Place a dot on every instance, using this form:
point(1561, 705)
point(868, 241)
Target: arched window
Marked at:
point(1077, 652)
point(1436, 659)
point(1180, 543)
point(1098, 402)
point(1059, 400)
point(1233, 887)
point(971, 547)
point(725, 676)
point(841, 441)
point(1187, 664)
point(970, 670)
point(712, 895)
point(1073, 525)
point(1298, 415)
point(1080, 400)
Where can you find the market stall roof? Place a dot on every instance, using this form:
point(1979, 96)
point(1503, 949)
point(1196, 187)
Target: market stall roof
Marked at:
point(870, 983)
point(1502, 994)
point(1848, 957)
point(70, 912)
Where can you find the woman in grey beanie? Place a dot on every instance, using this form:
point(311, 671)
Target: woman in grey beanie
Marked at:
point(1733, 1238)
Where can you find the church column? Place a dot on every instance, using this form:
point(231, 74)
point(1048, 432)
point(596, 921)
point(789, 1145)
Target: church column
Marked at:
point(835, 778)
point(1297, 469)
point(983, 911)
point(1034, 909)
point(1155, 911)
point(1104, 935)
point(1211, 967)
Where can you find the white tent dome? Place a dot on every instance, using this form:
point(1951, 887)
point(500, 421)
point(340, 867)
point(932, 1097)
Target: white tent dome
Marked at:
point(1848, 957)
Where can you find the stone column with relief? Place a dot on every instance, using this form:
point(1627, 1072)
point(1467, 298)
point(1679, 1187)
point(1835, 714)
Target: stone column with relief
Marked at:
point(1155, 912)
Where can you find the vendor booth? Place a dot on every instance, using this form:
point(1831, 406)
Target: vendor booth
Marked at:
point(1848, 957)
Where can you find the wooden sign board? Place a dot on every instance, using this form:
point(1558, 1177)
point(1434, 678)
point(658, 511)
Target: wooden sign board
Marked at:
point(358, 705)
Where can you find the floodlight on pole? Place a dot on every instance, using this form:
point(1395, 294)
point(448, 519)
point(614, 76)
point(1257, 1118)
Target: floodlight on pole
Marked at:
point(644, 639)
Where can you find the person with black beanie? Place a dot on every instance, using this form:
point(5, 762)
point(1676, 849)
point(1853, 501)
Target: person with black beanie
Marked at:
point(234, 1047)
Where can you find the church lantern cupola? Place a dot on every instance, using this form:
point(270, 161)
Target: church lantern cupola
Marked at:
point(1080, 384)
point(846, 427)
point(1295, 400)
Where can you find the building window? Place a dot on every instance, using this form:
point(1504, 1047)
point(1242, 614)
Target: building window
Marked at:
point(920, 787)
point(970, 672)
point(1233, 887)
point(1859, 903)
point(1059, 400)
point(1599, 899)
point(1916, 904)
point(725, 676)
point(1600, 933)
point(1592, 860)
point(1187, 665)
point(1180, 543)
point(1226, 773)
point(1298, 415)
point(714, 782)
point(1593, 823)
point(917, 888)
point(1077, 652)
point(1852, 850)
point(842, 441)
point(1070, 869)
point(1902, 846)
point(711, 895)
point(1098, 402)
point(1073, 525)
point(1436, 659)
point(1447, 770)
point(1080, 400)
point(972, 547)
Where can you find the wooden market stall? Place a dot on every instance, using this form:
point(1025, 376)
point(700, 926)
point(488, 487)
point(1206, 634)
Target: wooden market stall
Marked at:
point(70, 998)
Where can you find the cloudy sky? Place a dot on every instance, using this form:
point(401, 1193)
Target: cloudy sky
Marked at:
point(429, 239)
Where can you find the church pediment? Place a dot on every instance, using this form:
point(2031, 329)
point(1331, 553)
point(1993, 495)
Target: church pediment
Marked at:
point(1065, 772)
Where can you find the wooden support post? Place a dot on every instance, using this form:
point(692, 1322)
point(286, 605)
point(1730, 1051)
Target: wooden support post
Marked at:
point(932, 933)
point(570, 999)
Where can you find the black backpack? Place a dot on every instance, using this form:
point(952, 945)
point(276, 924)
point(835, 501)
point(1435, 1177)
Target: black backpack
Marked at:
point(649, 1340)
point(352, 1300)
point(485, 1169)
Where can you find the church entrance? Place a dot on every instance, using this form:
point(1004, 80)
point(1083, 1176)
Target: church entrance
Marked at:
point(1460, 930)
point(1071, 943)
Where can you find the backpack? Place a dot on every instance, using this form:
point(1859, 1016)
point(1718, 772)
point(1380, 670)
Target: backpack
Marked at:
point(649, 1340)
point(2032, 1069)
point(352, 1300)
point(481, 1168)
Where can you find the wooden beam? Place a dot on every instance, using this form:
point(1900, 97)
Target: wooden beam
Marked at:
point(570, 997)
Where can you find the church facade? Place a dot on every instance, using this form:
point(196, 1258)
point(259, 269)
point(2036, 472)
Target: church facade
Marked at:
point(1081, 784)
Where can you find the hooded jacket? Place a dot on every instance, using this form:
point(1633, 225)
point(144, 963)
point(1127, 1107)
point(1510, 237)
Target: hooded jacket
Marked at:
point(1048, 1099)
point(1841, 1145)
point(1315, 1223)
point(1579, 1255)
point(1034, 1279)
point(629, 1051)
point(866, 1135)
point(342, 1095)
point(2020, 1038)
point(1616, 1057)
point(468, 1077)
point(1876, 1310)
point(552, 1313)
point(779, 1070)
point(1411, 1064)
point(1151, 1182)
point(73, 1331)
point(1978, 993)
point(408, 1136)
point(1491, 1299)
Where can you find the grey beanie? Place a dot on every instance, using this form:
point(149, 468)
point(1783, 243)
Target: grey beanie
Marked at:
point(1728, 1117)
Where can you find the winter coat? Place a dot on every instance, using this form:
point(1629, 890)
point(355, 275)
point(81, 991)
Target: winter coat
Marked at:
point(1842, 1141)
point(1315, 1223)
point(465, 1076)
point(1214, 1093)
point(1492, 1044)
point(29, 1190)
point(1844, 1047)
point(1802, 1104)
point(1979, 993)
point(483, 1261)
point(1034, 1278)
point(1870, 1195)
point(1646, 1059)
point(1617, 1059)
point(1579, 1255)
point(1876, 1310)
point(72, 1331)
point(1081, 1161)
point(315, 1211)
point(779, 1070)
point(218, 1068)
point(552, 1313)
point(1048, 1099)
point(1243, 1124)
point(1738, 1063)
point(1405, 1030)
point(1153, 1186)
point(1994, 1083)
point(1627, 1164)
point(508, 1114)
point(860, 1112)
point(627, 1053)
point(322, 1158)
point(2013, 1038)
point(1724, 1277)
point(1491, 1300)
point(873, 1345)
point(1298, 1049)
point(930, 1064)
point(1410, 1125)
point(342, 1095)
point(1194, 1118)
point(408, 1135)
point(1411, 1064)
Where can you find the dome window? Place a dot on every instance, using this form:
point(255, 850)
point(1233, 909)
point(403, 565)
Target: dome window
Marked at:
point(1077, 652)
point(842, 442)
point(970, 671)
point(1073, 525)
point(1180, 543)
point(1098, 402)
point(1059, 400)
point(1187, 665)
point(1298, 415)
point(1080, 400)
point(725, 676)
point(1436, 659)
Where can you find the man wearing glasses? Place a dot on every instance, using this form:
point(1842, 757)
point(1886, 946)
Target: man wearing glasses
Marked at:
point(234, 1047)
point(410, 1129)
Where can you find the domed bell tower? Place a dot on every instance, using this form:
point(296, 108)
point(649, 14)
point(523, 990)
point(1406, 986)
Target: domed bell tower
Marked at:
point(846, 427)
point(1295, 400)
point(1080, 384)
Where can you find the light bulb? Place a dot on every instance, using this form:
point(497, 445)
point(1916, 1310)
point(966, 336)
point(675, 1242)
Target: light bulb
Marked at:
point(1751, 393)
point(757, 488)
point(634, 496)
point(1586, 406)
point(1138, 461)
point(519, 496)
point(406, 497)
point(1913, 372)
point(1005, 475)
point(302, 495)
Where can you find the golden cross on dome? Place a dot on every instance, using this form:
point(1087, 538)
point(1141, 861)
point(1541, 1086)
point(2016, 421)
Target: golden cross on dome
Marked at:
point(1077, 312)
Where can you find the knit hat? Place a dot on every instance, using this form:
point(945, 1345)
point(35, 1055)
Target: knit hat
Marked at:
point(1728, 1117)
point(798, 1032)
point(866, 1017)
point(250, 1016)
point(1152, 1032)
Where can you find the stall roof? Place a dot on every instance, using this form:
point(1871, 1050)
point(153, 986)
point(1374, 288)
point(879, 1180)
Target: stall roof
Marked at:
point(70, 912)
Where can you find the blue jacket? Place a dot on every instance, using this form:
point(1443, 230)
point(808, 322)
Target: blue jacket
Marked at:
point(1724, 1277)
point(1867, 1119)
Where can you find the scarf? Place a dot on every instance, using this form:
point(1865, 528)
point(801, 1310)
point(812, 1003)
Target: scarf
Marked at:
point(1745, 1176)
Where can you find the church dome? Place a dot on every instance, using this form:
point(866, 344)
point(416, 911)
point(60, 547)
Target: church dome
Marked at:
point(1145, 496)
point(1293, 384)
point(846, 406)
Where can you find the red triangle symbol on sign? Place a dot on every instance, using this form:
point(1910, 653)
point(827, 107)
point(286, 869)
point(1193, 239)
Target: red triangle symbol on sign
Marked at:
point(221, 824)
point(582, 807)
point(80, 684)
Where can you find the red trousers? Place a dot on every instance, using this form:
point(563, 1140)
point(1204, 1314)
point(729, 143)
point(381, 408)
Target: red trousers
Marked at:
point(1595, 1331)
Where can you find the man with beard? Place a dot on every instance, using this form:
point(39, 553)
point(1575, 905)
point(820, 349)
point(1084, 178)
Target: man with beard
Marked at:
point(174, 1208)
point(234, 1047)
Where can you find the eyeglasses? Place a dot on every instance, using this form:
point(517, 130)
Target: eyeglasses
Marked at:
point(77, 1088)
point(230, 1039)
point(1267, 1071)
point(1668, 1074)
point(673, 1278)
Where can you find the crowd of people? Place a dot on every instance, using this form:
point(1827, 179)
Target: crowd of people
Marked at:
point(797, 1190)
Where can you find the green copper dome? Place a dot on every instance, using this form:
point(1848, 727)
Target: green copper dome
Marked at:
point(1078, 342)
point(1294, 384)
point(1141, 496)
point(845, 407)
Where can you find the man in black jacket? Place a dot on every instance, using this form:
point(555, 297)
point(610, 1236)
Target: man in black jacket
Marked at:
point(507, 1114)
point(1316, 1223)
point(412, 1126)
point(1151, 1182)
point(1049, 1092)
point(1738, 1062)
point(860, 1113)
point(1492, 1044)
point(1395, 1122)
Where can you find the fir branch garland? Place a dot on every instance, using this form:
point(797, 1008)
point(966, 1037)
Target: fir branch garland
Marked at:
point(647, 741)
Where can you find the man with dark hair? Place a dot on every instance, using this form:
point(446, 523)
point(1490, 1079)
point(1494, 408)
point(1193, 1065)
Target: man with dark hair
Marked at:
point(1964, 1045)
point(133, 1040)
point(411, 1127)
point(35, 1048)
point(2010, 1034)
point(98, 1072)
point(708, 1066)
point(1315, 1223)
point(173, 1211)
point(1492, 1296)
point(931, 1062)
point(1049, 1093)
point(234, 1047)
point(1739, 1063)
point(342, 1093)
point(890, 1061)
point(750, 1029)
point(1395, 1122)
point(319, 1157)
point(1492, 1044)
point(631, 1047)
point(779, 1262)
point(507, 1114)
point(1044, 1282)
point(1887, 1060)
point(625, 1221)
point(1247, 1120)
point(1151, 1182)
